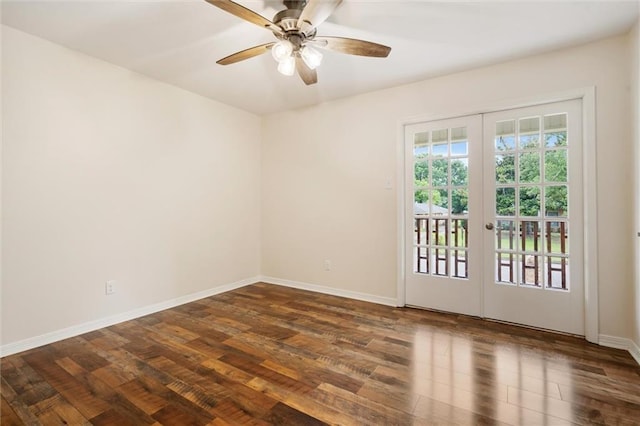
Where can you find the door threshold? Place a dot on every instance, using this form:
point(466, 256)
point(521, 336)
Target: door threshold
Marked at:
point(514, 324)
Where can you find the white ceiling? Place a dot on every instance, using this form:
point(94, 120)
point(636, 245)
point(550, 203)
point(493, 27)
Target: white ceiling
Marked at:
point(179, 41)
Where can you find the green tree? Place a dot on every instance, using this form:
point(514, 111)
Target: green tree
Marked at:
point(556, 198)
point(422, 196)
point(440, 175)
point(421, 174)
point(529, 167)
point(505, 168)
point(459, 201)
point(506, 201)
point(459, 172)
point(529, 201)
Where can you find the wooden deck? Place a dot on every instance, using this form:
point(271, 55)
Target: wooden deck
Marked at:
point(265, 354)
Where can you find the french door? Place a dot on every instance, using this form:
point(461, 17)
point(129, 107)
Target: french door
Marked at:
point(494, 222)
point(533, 217)
point(444, 214)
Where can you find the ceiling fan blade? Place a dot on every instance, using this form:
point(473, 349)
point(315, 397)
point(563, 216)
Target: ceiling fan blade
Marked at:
point(246, 14)
point(307, 75)
point(316, 12)
point(353, 46)
point(246, 54)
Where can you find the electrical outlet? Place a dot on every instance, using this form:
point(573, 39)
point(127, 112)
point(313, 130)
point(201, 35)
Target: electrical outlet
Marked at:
point(110, 287)
point(327, 265)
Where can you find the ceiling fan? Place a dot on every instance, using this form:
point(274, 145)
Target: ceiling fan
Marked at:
point(295, 28)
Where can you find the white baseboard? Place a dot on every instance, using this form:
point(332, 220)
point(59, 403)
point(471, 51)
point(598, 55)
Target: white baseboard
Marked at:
point(621, 343)
point(76, 330)
point(365, 297)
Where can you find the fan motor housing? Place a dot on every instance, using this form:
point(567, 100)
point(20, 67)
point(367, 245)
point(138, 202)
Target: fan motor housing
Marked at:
point(287, 19)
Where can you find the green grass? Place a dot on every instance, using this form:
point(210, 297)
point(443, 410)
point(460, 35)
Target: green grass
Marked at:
point(517, 243)
point(529, 243)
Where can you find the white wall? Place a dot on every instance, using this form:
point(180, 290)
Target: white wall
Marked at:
point(111, 175)
point(323, 193)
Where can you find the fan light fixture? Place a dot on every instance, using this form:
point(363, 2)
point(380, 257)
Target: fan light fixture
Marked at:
point(282, 50)
point(287, 66)
point(311, 57)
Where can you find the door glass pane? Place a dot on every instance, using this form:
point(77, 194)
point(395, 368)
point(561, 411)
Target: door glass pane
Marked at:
point(440, 231)
point(506, 235)
point(529, 167)
point(421, 174)
point(459, 233)
point(459, 148)
point(460, 172)
point(421, 146)
point(555, 165)
point(555, 130)
point(557, 237)
point(531, 274)
point(505, 143)
point(530, 237)
point(440, 150)
point(529, 201)
point(506, 272)
point(505, 168)
point(505, 135)
point(440, 172)
point(440, 204)
point(557, 276)
point(460, 201)
point(421, 197)
point(506, 201)
point(529, 133)
point(441, 262)
point(556, 201)
point(439, 136)
point(421, 234)
point(421, 259)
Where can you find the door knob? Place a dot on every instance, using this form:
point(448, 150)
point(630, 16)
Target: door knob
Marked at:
point(489, 226)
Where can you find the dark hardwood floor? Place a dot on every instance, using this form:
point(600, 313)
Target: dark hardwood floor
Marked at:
point(265, 354)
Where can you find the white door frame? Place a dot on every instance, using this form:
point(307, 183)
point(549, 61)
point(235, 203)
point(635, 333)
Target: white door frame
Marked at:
point(590, 212)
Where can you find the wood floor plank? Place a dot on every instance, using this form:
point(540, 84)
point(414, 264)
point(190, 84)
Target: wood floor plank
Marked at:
point(303, 404)
point(17, 404)
point(247, 365)
point(271, 355)
point(56, 410)
point(66, 384)
point(172, 414)
point(7, 415)
point(282, 414)
point(112, 417)
point(25, 381)
point(357, 406)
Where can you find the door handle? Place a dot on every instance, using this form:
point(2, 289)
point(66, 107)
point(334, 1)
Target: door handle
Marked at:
point(489, 226)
